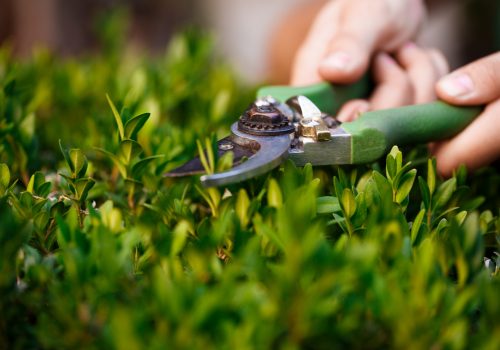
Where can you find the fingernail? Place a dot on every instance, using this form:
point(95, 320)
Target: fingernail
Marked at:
point(350, 114)
point(339, 60)
point(410, 45)
point(386, 59)
point(362, 108)
point(457, 85)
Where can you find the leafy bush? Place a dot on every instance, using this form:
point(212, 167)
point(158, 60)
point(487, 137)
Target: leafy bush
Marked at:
point(99, 250)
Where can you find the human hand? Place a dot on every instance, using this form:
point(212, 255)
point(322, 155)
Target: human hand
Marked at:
point(479, 144)
point(347, 35)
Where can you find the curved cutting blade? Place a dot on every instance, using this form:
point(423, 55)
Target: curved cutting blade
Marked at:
point(270, 152)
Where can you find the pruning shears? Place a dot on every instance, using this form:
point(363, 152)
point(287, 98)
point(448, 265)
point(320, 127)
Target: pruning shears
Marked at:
point(298, 123)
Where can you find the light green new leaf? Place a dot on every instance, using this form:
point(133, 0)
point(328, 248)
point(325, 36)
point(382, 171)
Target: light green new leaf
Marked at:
point(36, 180)
point(460, 217)
point(405, 185)
point(327, 205)
point(444, 192)
point(274, 196)
point(225, 162)
point(202, 154)
point(129, 149)
point(180, 235)
point(210, 154)
point(415, 227)
point(242, 206)
point(348, 203)
point(118, 118)
point(134, 125)
point(431, 175)
point(4, 175)
point(79, 162)
point(394, 162)
point(390, 167)
point(220, 105)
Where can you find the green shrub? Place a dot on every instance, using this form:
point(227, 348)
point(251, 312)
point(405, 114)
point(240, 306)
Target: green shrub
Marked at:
point(99, 250)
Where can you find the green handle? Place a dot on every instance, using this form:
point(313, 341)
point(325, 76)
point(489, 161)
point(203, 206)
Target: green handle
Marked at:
point(373, 133)
point(329, 98)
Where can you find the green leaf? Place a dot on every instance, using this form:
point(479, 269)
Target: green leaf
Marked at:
point(242, 206)
point(307, 173)
point(111, 217)
point(202, 154)
point(337, 187)
point(44, 189)
point(134, 125)
point(118, 162)
point(118, 118)
point(4, 178)
point(443, 224)
point(391, 168)
point(225, 162)
point(36, 180)
point(210, 153)
point(41, 219)
point(460, 217)
point(82, 187)
point(348, 203)
point(383, 185)
point(424, 191)
point(444, 193)
point(220, 104)
point(431, 175)
point(264, 230)
point(394, 162)
point(274, 196)
point(405, 185)
point(129, 149)
point(327, 205)
point(66, 156)
point(417, 223)
point(343, 178)
point(79, 162)
point(141, 165)
point(180, 235)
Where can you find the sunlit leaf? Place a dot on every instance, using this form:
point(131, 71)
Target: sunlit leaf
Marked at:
point(118, 118)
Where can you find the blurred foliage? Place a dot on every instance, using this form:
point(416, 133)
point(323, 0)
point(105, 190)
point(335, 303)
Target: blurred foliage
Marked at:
point(99, 250)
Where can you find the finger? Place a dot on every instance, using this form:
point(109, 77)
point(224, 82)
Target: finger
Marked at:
point(311, 52)
point(476, 146)
point(422, 71)
point(440, 62)
point(393, 84)
point(352, 109)
point(366, 27)
point(349, 49)
point(476, 83)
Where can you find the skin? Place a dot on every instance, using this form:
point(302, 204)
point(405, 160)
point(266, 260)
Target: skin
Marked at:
point(349, 36)
point(479, 144)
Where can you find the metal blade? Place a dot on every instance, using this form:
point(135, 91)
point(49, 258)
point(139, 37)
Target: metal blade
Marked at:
point(253, 156)
point(269, 153)
point(227, 144)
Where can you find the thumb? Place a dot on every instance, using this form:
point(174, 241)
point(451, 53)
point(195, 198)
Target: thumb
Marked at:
point(476, 83)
